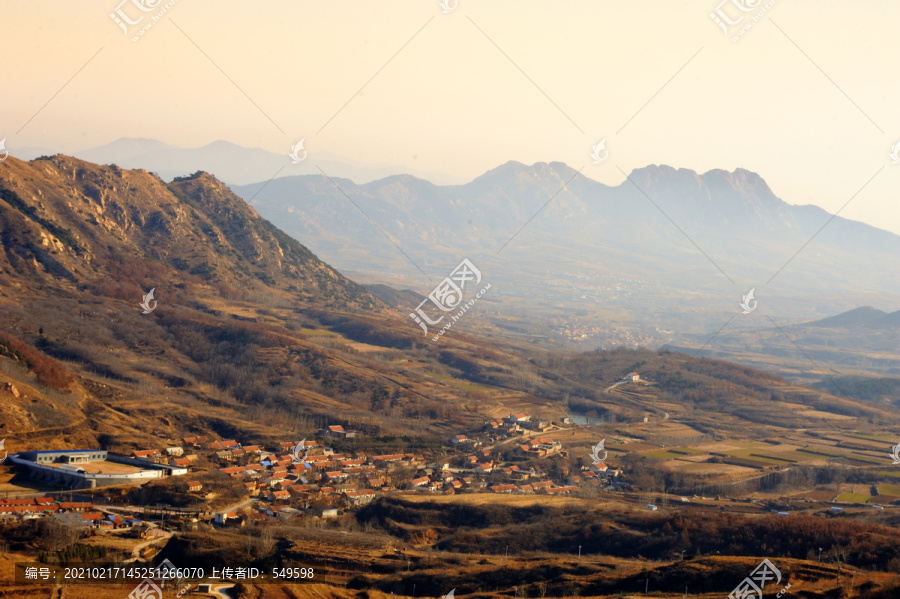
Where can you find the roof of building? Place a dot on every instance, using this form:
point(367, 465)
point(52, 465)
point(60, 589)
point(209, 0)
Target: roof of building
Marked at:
point(63, 450)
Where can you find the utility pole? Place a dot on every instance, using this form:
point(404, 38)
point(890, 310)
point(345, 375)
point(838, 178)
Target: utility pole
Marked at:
point(579, 553)
point(647, 585)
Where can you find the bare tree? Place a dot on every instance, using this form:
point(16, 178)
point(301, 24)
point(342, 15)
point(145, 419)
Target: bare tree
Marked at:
point(54, 535)
point(266, 541)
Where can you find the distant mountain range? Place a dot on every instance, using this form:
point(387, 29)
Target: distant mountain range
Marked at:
point(659, 248)
point(228, 162)
point(859, 342)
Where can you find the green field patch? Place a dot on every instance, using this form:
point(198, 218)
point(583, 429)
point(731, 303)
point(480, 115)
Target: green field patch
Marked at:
point(891, 473)
point(888, 489)
point(852, 498)
point(822, 452)
point(461, 384)
point(750, 455)
point(318, 333)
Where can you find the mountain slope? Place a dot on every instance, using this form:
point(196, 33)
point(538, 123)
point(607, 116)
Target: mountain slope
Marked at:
point(862, 341)
point(66, 220)
point(866, 317)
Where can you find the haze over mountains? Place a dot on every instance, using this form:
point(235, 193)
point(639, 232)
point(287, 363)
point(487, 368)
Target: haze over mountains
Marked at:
point(654, 247)
point(229, 162)
point(856, 343)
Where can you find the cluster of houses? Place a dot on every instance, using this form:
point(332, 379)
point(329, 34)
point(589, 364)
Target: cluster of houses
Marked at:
point(504, 475)
point(72, 512)
point(320, 476)
point(449, 483)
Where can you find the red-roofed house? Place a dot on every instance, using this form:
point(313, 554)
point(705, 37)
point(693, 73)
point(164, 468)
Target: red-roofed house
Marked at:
point(280, 495)
point(337, 431)
point(145, 453)
point(485, 467)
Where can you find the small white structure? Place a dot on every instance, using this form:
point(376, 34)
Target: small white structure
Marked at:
point(652, 507)
point(632, 377)
point(837, 510)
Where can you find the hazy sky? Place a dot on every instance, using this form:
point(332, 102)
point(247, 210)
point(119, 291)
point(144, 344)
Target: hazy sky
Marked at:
point(808, 97)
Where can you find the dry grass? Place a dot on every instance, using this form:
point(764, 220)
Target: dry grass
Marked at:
point(103, 468)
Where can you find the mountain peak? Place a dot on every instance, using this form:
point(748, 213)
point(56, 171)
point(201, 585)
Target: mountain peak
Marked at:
point(865, 316)
point(532, 174)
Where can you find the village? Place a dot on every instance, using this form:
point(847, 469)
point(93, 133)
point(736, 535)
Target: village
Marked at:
point(308, 478)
